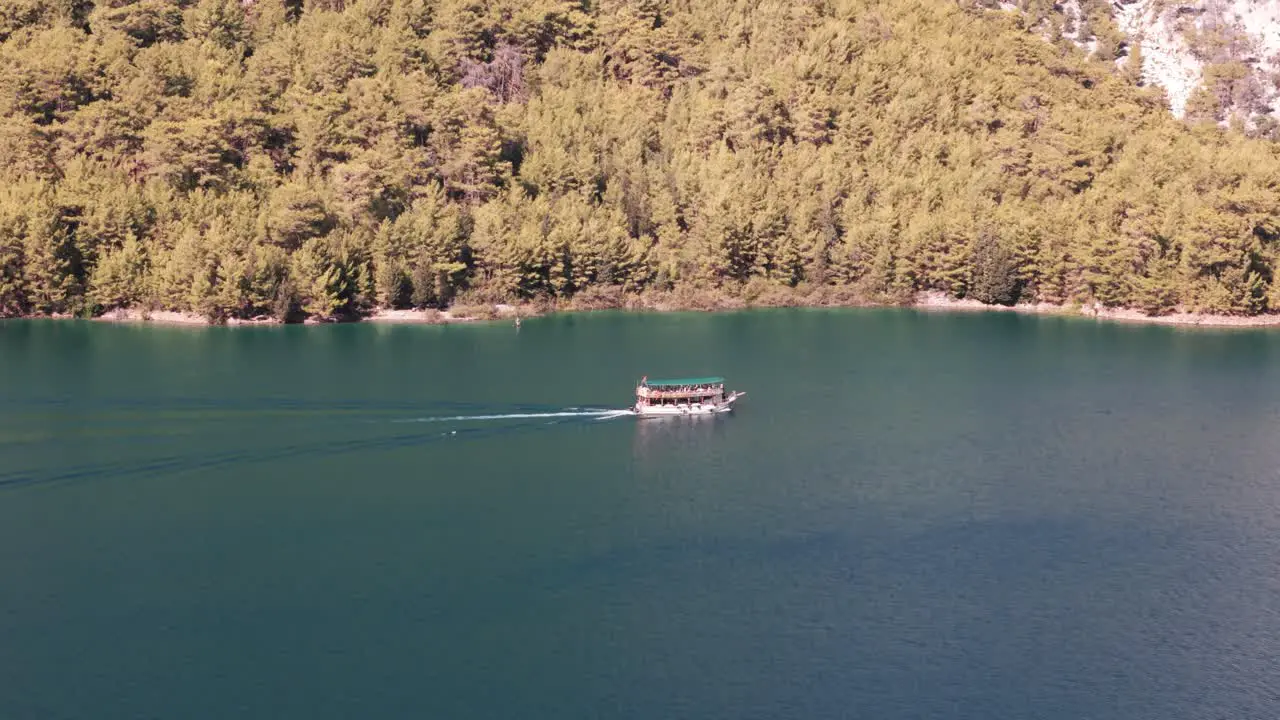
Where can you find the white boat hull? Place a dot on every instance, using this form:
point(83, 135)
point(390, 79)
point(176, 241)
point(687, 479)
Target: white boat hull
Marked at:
point(690, 409)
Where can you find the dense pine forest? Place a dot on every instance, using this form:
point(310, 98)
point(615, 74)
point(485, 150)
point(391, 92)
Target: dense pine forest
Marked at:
point(292, 158)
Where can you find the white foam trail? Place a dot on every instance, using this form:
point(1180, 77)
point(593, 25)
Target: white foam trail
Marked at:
point(599, 414)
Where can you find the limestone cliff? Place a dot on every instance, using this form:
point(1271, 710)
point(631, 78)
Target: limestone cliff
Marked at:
point(1216, 59)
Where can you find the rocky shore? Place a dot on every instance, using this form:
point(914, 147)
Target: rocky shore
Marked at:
point(925, 301)
point(939, 301)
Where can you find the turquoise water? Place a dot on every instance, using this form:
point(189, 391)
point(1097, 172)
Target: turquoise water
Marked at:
point(910, 515)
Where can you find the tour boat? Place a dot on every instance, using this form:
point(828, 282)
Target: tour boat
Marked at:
point(683, 396)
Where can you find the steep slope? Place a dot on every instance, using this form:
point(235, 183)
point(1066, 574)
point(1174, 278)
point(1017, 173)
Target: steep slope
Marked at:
point(1217, 60)
point(1215, 57)
point(327, 157)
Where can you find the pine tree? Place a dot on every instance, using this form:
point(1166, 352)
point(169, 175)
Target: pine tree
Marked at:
point(119, 277)
point(237, 159)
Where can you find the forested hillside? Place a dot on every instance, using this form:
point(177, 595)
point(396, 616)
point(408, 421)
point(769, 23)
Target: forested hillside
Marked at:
point(238, 158)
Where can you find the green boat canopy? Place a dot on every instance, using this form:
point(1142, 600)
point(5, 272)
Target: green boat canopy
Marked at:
point(678, 382)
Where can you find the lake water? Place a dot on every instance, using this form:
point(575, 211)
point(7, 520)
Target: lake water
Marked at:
point(910, 515)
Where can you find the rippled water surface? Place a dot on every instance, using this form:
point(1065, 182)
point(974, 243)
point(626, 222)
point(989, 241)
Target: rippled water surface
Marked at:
point(910, 516)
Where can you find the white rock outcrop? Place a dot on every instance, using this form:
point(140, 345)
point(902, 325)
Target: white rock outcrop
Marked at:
point(1172, 37)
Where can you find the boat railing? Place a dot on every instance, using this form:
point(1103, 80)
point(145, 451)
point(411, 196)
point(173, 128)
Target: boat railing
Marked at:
point(644, 391)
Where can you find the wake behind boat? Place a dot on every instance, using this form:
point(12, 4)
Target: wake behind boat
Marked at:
point(683, 396)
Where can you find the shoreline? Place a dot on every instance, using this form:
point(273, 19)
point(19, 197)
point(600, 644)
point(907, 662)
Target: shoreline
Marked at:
point(939, 302)
point(929, 301)
point(380, 315)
